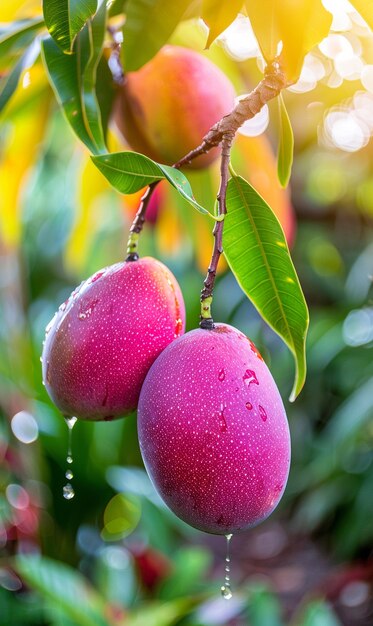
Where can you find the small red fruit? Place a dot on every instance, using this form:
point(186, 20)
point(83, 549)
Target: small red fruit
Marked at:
point(103, 340)
point(213, 431)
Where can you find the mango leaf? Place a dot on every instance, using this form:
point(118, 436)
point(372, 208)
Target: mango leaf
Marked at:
point(148, 26)
point(218, 16)
point(15, 37)
point(258, 255)
point(285, 146)
point(299, 25)
point(66, 18)
point(73, 80)
point(65, 587)
point(365, 8)
point(130, 171)
point(8, 84)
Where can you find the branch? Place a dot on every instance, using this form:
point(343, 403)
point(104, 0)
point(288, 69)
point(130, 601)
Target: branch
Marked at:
point(222, 132)
point(269, 87)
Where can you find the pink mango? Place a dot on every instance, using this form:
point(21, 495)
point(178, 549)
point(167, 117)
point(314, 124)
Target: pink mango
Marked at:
point(213, 431)
point(103, 340)
point(165, 108)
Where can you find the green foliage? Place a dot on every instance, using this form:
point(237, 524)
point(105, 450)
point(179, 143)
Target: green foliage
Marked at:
point(150, 22)
point(285, 146)
point(65, 588)
point(15, 37)
point(66, 18)
point(260, 260)
point(129, 172)
point(73, 78)
point(9, 84)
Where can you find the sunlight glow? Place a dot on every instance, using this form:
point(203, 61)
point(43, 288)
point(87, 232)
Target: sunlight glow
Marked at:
point(239, 40)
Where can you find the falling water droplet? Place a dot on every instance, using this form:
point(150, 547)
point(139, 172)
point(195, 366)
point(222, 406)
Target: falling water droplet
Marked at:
point(225, 589)
point(68, 491)
point(221, 375)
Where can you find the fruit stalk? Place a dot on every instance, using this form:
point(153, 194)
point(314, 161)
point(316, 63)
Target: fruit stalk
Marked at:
point(206, 320)
point(138, 223)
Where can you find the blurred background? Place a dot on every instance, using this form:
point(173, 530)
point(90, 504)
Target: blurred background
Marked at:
point(114, 554)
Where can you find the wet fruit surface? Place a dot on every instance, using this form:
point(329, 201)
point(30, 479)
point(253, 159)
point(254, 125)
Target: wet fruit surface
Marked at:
point(102, 341)
point(217, 448)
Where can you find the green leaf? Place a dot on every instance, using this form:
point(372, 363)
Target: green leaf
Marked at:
point(285, 146)
point(148, 26)
point(218, 16)
point(257, 252)
point(298, 25)
point(9, 83)
point(365, 8)
point(65, 587)
point(263, 607)
point(130, 171)
point(66, 18)
point(318, 613)
point(161, 613)
point(73, 79)
point(15, 37)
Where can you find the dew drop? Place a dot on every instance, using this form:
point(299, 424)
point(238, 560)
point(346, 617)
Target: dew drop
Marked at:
point(263, 413)
point(221, 375)
point(225, 589)
point(250, 377)
point(249, 406)
point(68, 492)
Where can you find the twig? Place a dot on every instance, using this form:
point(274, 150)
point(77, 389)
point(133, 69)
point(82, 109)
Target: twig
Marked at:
point(206, 320)
point(269, 87)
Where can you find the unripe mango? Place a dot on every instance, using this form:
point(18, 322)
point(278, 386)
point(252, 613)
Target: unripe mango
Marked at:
point(213, 431)
point(165, 108)
point(103, 340)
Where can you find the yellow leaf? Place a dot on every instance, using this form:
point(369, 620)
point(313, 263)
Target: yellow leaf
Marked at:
point(365, 8)
point(20, 148)
point(218, 15)
point(294, 26)
point(19, 9)
point(91, 188)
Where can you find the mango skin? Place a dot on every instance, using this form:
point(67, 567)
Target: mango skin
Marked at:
point(104, 338)
point(213, 431)
point(165, 108)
